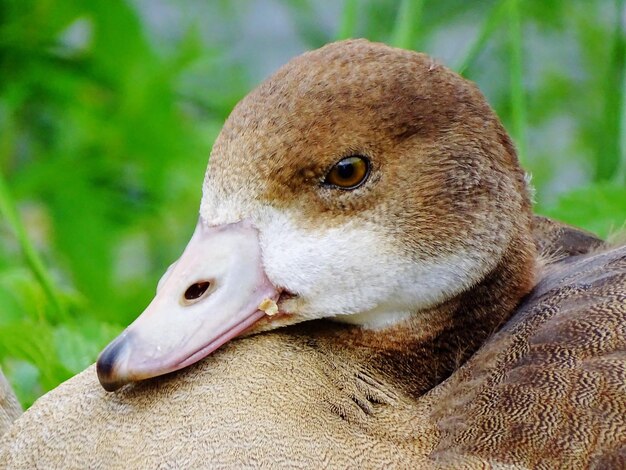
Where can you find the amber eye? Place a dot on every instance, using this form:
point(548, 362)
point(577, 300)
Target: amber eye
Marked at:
point(348, 173)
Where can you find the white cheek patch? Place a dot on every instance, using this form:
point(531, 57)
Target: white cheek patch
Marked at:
point(355, 272)
point(334, 271)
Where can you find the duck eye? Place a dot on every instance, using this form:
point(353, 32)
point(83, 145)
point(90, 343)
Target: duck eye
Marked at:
point(348, 173)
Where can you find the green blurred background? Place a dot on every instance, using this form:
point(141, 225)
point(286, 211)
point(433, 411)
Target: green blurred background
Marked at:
point(108, 109)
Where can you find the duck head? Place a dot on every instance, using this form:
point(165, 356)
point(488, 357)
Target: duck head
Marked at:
point(360, 183)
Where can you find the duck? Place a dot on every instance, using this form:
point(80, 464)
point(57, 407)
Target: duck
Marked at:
point(366, 287)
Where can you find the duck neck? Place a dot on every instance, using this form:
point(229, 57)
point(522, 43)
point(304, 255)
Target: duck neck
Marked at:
point(422, 351)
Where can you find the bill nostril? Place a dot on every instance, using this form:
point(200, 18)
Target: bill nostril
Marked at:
point(197, 290)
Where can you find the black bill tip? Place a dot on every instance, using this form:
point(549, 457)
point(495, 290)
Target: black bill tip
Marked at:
point(108, 362)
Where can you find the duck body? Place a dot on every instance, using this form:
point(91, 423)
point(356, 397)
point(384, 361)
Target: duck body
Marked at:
point(365, 212)
point(546, 391)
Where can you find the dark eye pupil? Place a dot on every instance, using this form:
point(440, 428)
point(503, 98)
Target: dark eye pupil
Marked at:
point(345, 170)
point(196, 290)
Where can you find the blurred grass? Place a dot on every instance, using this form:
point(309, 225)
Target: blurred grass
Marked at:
point(407, 27)
point(31, 258)
point(518, 95)
point(105, 130)
point(347, 27)
point(610, 156)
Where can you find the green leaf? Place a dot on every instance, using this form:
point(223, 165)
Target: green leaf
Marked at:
point(599, 208)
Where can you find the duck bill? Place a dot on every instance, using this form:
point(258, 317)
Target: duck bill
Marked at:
point(209, 296)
